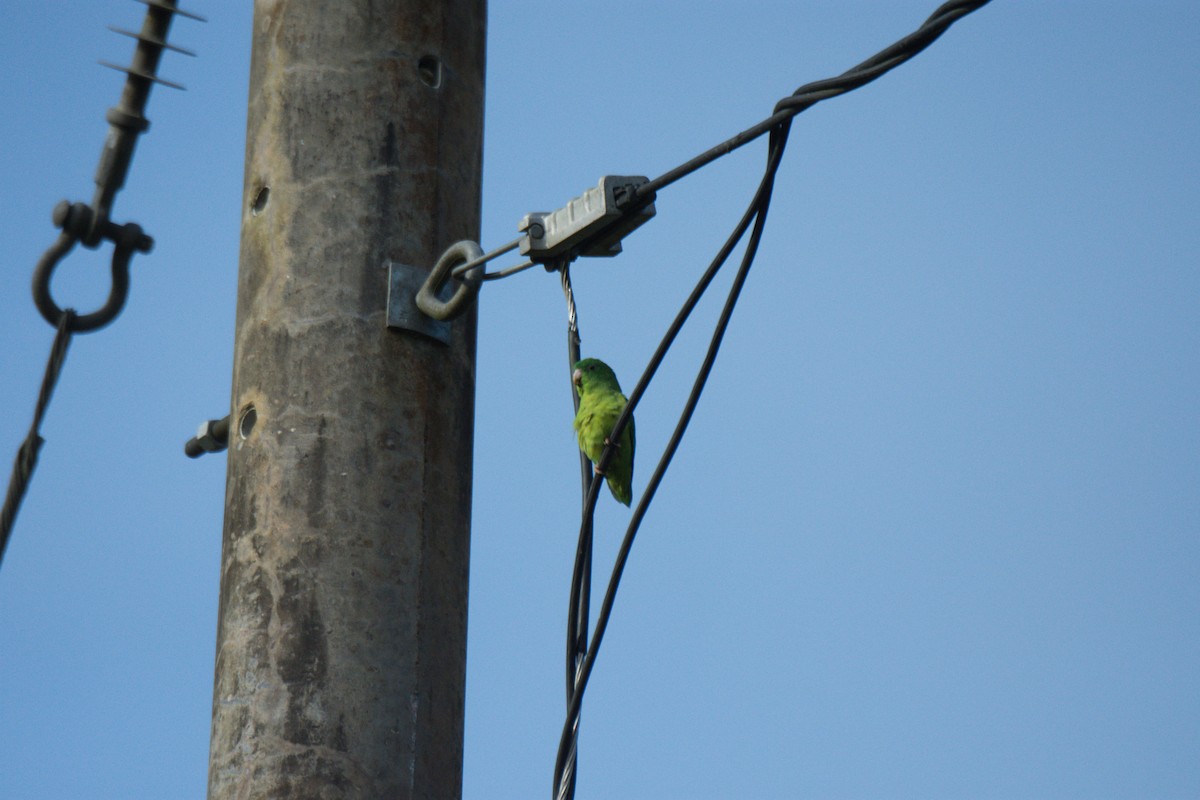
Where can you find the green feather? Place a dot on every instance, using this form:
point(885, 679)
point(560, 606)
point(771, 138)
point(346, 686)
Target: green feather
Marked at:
point(600, 403)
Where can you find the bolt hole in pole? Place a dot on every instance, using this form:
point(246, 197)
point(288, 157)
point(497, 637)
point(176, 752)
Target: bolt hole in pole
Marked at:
point(430, 70)
point(246, 421)
point(260, 201)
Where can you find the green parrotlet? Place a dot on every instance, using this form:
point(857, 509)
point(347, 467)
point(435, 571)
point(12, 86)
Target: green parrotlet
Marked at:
point(600, 403)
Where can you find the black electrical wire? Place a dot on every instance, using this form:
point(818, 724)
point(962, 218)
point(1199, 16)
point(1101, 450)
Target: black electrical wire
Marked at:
point(580, 658)
point(810, 94)
point(564, 771)
point(27, 454)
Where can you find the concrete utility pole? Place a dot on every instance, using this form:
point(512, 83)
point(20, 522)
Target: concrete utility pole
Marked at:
point(341, 646)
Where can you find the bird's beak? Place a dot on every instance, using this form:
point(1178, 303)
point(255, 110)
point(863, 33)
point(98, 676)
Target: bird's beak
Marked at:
point(577, 377)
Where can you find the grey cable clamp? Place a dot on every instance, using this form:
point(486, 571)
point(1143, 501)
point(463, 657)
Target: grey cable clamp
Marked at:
point(592, 224)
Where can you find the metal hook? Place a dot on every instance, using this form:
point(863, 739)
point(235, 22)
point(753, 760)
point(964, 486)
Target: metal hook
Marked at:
point(465, 251)
point(128, 239)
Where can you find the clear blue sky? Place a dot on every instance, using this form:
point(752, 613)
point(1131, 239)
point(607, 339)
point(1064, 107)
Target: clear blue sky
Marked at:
point(935, 529)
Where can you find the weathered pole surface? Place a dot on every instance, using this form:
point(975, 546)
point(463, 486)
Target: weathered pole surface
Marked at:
point(341, 644)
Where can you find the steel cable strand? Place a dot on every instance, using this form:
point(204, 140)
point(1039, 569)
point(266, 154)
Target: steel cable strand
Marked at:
point(577, 614)
point(578, 607)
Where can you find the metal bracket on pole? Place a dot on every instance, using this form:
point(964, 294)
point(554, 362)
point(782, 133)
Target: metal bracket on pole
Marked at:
point(425, 302)
point(404, 281)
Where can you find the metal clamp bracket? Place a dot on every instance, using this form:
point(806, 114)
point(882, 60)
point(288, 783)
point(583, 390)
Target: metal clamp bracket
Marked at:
point(426, 302)
point(592, 224)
